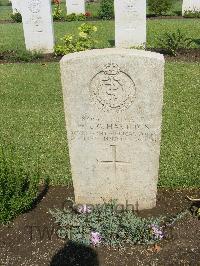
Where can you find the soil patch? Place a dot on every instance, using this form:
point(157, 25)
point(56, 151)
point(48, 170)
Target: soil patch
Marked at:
point(151, 17)
point(6, 21)
point(186, 55)
point(32, 240)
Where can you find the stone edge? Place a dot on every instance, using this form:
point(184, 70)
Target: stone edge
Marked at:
point(110, 51)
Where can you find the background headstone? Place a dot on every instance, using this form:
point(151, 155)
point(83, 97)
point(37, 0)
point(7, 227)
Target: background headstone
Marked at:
point(75, 6)
point(38, 25)
point(15, 7)
point(130, 23)
point(190, 5)
point(113, 109)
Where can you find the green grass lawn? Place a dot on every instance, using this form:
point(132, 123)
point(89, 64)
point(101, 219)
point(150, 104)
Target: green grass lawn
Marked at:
point(32, 120)
point(4, 3)
point(32, 117)
point(11, 35)
point(5, 12)
point(175, 10)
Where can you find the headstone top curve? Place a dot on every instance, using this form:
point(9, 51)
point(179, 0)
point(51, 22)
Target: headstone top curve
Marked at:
point(112, 51)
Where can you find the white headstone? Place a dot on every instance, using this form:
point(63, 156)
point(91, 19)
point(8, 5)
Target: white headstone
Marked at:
point(38, 25)
point(113, 109)
point(15, 6)
point(130, 23)
point(75, 6)
point(190, 5)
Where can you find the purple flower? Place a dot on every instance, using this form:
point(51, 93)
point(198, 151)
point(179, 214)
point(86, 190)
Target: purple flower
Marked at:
point(95, 238)
point(157, 232)
point(84, 209)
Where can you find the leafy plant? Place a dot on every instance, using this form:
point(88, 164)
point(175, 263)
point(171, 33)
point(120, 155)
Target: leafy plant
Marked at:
point(105, 224)
point(192, 14)
point(18, 187)
point(82, 42)
point(17, 17)
point(74, 17)
point(71, 17)
point(159, 7)
point(106, 10)
point(20, 56)
point(27, 56)
point(81, 17)
point(58, 12)
point(174, 41)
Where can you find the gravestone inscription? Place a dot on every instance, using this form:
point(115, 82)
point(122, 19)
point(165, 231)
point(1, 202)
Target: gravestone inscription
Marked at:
point(113, 110)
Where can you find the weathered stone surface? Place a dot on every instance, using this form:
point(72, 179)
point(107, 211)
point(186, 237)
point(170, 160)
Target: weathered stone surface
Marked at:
point(113, 110)
point(37, 25)
point(190, 5)
point(130, 23)
point(75, 6)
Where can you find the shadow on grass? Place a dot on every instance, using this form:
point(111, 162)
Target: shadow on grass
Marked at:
point(74, 254)
point(174, 15)
point(112, 43)
point(159, 50)
point(178, 12)
point(43, 191)
point(151, 16)
point(196, 41)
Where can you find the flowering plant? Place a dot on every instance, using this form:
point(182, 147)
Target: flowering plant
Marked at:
point(82, 42)
point(57, 2)
point(157, 232)
point(95, 238)
point(88, 14)
point(106, 226)
point(58, 12)
point(84, 209)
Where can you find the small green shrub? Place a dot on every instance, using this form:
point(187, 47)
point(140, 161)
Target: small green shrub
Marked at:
point(58, 12)
point(71, 17)
point(81, 17)
point(107, 225)
point(174, 41)
point(106, 10)
point(192, 14)
point(21, 56)
point(74, 17)
point(27, 56)
point(17, 17)
point(82, 42)
point(159, 7)
point(18, 188)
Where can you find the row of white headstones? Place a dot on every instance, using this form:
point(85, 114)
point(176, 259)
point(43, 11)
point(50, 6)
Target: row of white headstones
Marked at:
point(130, 21)
point(73, 6)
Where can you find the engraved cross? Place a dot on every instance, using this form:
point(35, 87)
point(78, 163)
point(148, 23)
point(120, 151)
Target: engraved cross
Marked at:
point(114, 160)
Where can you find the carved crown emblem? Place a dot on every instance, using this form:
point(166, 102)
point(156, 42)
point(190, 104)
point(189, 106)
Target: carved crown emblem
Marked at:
point(112, 89)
